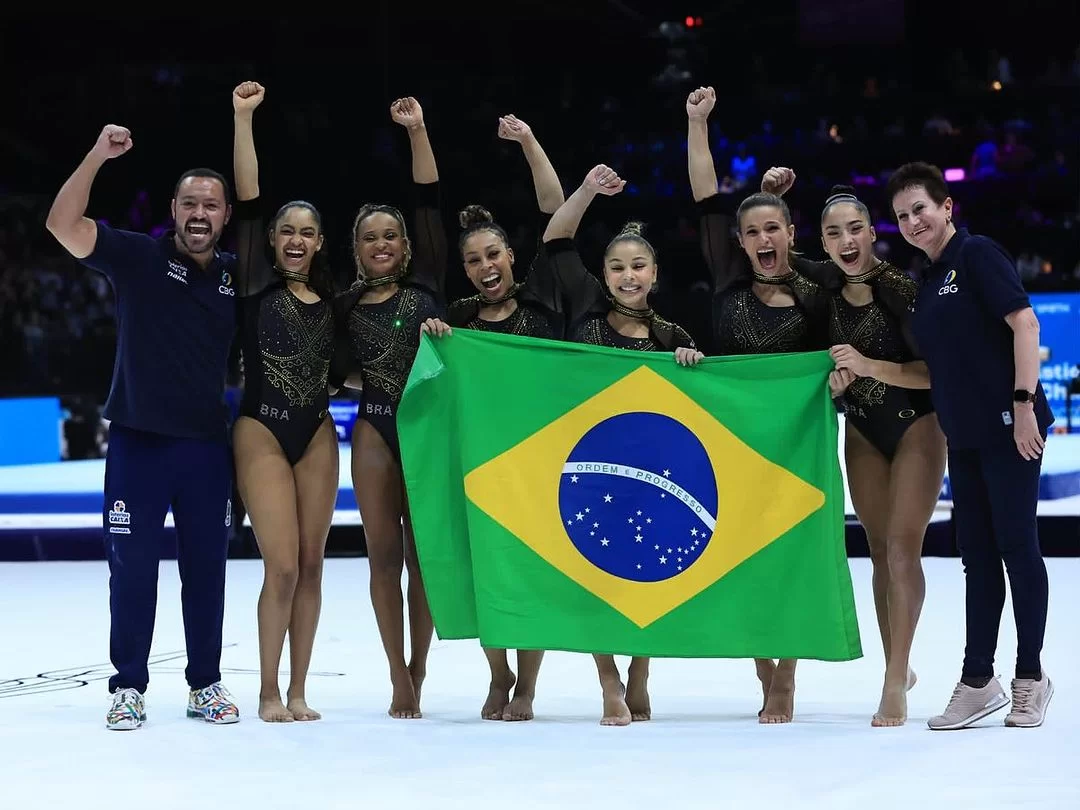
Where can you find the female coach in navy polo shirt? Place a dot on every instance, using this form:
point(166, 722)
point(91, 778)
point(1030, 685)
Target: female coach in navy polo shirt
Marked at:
point(980, 339)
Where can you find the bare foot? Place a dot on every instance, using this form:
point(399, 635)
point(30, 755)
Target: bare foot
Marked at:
point(417, 673)
point(272, 710)
point(404, 704)
point(780, 705)
point(299, 709)
point(892, 711)
point(520, 708)
point(616, 712)
point(637, 698)
point(498, 699)
point(912, 679)
point(765, 671)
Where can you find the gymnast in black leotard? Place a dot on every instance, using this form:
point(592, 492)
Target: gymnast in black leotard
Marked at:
point(531, 308)
point(893, 446)
point(400, 286)
point(614, 314)
point(770, 310)
point(284, 442)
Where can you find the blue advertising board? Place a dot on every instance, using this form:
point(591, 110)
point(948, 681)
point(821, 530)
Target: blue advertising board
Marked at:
point(1059, 340)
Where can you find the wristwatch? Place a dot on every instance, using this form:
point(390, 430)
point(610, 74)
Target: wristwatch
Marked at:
point(1020, 395)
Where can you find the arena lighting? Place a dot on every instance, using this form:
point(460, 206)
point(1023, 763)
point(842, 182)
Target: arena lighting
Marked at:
point(954, 175)
point(693, 22)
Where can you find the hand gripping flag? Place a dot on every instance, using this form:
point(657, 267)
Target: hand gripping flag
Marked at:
point(569, 497)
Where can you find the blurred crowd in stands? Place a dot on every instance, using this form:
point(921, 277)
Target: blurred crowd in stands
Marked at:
point(1009, 136)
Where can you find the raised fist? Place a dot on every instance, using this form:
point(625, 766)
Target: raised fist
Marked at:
point(113, 141)
point(603, 180)
point(407, 112)
point(700, 102)
point(247, 96)
point(512, 128)
point(778, 180)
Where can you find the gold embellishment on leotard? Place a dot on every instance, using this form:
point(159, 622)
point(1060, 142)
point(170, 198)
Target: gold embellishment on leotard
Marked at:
point(385, 336)
point(290, 275)
point(522, 321)
point(753, 327)
point(641, 314)
point(776, 281)
point(869, 275)
point(598, 332)
point(867, 392)
point(899, 282)
point(296, 360)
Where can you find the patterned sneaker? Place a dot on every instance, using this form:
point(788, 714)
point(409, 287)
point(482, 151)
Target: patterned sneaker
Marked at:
point(128, 710)
point(1029, 701)
point(213, 704)
point(969, 705)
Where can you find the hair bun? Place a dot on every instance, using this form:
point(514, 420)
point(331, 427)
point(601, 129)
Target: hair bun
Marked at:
point(633, 229)
point(841, 189)
point(473, 215)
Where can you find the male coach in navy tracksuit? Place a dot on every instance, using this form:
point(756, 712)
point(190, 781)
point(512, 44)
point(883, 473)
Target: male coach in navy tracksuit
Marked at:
point(176, 318)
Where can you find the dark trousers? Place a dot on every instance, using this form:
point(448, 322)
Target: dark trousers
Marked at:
point(995, 495)
point(145, 474)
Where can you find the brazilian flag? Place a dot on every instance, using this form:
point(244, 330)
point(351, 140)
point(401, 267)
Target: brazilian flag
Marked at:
point(571, 497)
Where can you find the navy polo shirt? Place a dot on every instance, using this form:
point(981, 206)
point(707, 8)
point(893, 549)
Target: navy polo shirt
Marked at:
point(959, 324)
point(175, 324)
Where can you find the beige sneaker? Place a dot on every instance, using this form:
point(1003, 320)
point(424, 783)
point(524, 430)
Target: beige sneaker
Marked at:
point(1029, 701)
point(969, 705)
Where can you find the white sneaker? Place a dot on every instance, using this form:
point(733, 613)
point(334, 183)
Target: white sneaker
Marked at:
point(1029, 701)
point(969, 705)
point(128, 710)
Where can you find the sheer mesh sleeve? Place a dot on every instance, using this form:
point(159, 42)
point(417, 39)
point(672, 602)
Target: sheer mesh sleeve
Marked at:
point(717, 215)
point(254, 273)
point(541, 284)
point(430, 252)
point(580, 290)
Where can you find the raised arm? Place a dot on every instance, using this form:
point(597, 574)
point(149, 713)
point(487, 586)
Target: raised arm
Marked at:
point(246, 97)
point(549, 191)
point(67, 220)
point(715, 211)
point(430, 252)
point(581, 290)
point(254, 272)
point(699, 157)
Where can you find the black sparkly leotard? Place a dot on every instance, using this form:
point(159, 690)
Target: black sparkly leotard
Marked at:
point(381, 339)
point(878, 330)
point(742, 323)
point(587, 306)
point(286, 344)
point(539, 305)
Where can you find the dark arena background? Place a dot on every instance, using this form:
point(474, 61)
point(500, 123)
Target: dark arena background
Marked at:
point(841, 91)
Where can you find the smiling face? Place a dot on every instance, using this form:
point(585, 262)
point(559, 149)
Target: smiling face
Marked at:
point(848, 238)
point(380, 246)
point(767, 238)
point(630, 272)
point(296, 238)
point(200, 212)
point(924, 224)
point(489, 263)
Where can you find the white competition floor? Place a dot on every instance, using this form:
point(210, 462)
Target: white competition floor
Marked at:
point(704, 749)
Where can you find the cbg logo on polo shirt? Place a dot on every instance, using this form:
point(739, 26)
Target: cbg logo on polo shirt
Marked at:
point(177, 271)
point(226, 285)
point(950, 284)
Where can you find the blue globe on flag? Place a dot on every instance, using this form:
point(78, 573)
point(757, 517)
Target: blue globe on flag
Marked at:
point(638, 497)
